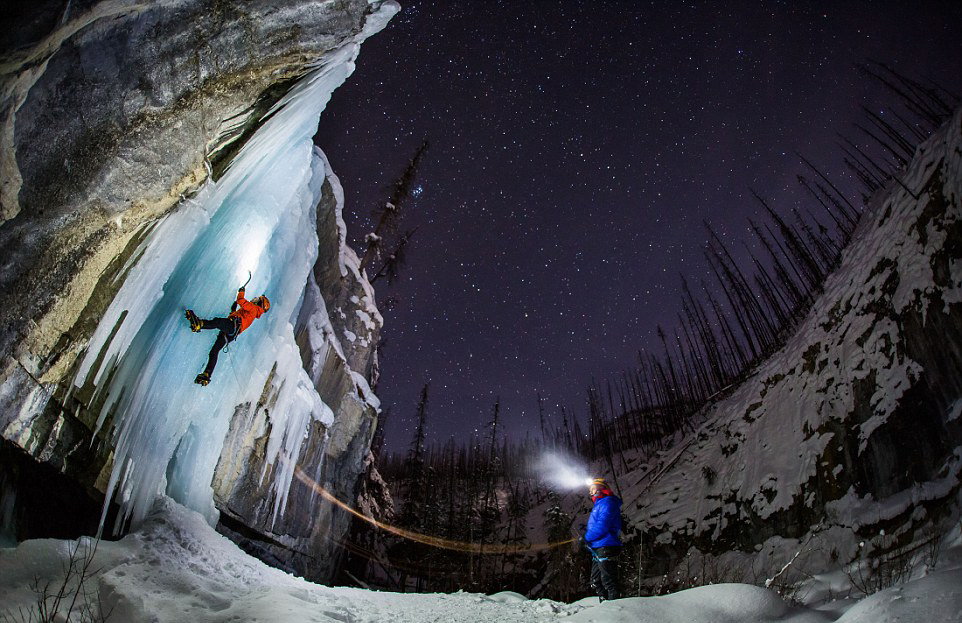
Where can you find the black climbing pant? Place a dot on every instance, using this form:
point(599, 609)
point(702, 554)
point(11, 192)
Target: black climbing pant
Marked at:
point(228, 331)
point(604, 572)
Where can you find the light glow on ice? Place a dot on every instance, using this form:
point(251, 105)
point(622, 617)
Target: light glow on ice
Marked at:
point(168, 433)
point(251, 246)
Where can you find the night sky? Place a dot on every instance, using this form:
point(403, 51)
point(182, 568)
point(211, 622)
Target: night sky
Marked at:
point(576, 149)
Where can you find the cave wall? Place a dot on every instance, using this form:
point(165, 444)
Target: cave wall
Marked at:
point(111, 113)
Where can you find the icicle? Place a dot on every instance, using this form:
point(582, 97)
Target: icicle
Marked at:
point(260, 217)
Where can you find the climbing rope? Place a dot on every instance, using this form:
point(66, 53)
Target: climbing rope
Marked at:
point(435, 541)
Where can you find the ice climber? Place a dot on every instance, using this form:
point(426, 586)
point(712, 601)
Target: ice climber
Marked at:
point(601, 537)
point(242, 314)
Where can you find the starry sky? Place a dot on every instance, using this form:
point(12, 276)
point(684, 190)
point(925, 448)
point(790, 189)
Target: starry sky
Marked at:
point(577, 148)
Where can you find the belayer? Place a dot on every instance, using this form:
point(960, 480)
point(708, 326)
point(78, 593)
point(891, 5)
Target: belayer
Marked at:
point(601, 538)
point(242, 314)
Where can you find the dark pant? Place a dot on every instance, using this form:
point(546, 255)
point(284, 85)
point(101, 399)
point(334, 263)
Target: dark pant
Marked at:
point(604, 572)
point(228, 331)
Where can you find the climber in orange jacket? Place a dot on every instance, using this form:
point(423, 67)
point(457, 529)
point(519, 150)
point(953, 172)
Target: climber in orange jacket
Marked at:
point(242, 314)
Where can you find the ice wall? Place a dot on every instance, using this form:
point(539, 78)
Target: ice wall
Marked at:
point(168, 432)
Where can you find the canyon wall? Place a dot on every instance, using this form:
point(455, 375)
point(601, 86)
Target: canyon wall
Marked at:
point(113, 116)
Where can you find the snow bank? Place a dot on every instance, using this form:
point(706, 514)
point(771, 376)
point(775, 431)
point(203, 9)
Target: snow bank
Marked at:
point(722, 603)
point(176, 568)
point(933, 599)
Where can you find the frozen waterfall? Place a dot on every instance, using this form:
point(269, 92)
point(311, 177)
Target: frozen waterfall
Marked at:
point(260, 217)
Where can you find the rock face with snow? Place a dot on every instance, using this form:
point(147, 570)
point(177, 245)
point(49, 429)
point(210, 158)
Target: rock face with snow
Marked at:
point(852, 432)
point(116, 119)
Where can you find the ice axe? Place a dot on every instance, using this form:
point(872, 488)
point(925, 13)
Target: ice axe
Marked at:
point(246, 282)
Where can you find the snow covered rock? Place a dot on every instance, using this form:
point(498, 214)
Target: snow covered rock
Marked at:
point(850, 433)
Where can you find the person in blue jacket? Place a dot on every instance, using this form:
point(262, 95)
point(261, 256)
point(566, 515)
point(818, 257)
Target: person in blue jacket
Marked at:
point(601, 537)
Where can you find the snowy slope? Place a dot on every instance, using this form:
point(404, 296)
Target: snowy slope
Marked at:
point(175, 568)
point(852, 428)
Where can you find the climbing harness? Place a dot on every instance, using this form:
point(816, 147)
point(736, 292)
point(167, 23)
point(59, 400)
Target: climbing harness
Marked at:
point(594, 555)
point(233, 334)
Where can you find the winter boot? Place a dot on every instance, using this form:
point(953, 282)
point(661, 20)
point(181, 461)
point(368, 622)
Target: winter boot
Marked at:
point(202, 379)
point(195, 322)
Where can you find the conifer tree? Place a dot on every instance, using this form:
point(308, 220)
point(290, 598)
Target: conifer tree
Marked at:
point(389, 215)
point(397, 259)
point(414, 468)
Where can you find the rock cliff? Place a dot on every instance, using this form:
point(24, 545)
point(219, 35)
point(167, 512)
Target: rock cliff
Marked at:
point(113, 115)
point(851, 434)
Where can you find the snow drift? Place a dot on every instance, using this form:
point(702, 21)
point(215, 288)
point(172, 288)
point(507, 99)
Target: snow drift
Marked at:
point(175, 568)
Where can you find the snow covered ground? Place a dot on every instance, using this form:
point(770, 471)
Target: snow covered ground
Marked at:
point(176, 568)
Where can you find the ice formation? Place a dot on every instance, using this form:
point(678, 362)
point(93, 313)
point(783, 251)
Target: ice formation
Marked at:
point(259, 217)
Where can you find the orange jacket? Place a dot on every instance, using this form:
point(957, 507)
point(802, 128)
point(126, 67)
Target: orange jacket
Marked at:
point(246, 311)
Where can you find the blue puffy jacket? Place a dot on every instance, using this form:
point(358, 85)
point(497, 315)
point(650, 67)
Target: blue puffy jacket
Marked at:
point(604, 522)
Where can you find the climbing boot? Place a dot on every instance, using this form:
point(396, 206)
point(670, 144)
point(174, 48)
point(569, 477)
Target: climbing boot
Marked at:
point(195, 322)
point(202, 379)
